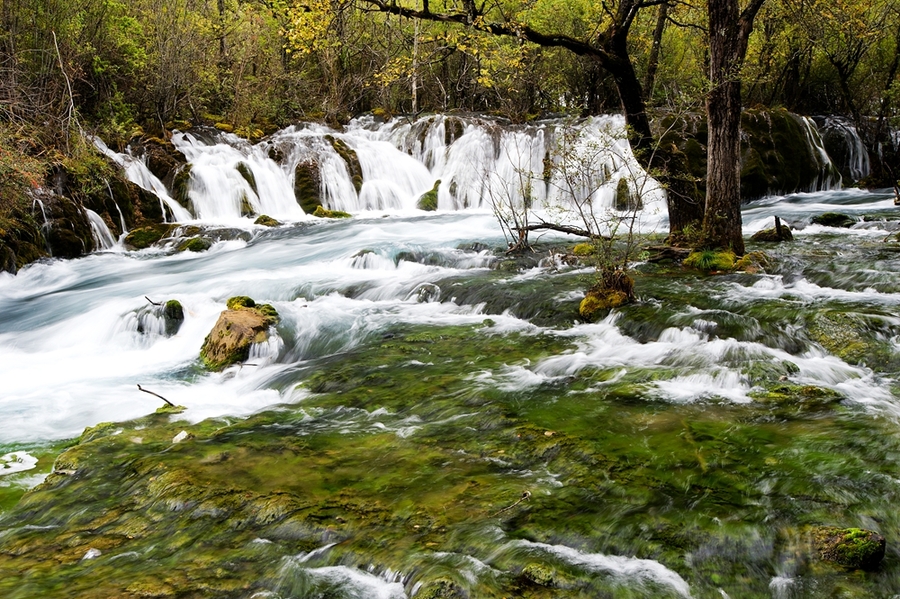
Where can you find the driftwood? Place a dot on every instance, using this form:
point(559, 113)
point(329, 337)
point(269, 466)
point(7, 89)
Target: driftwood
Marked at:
point(562, 229)
point(154, 303)
point(525, 496)
point(157, 395)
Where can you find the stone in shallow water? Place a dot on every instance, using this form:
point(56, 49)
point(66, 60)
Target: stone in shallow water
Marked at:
point(850, 547)
point(240, 326)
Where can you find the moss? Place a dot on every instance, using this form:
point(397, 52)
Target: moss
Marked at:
point(195, 244)
point(752, 262)
point(771, 235)
point(226, 127)
point(181, 184)
point(428, 201)
point(266, 221)
point(625, 199)
point(350, 158)
point(143, 237)
point(834, 219)
point(584, 249)
point(240, 301)
point(849, 547)
point(442, 588)
point(167, 409)
point(308, 186)
point(539, 574)
point(173, 315)
point(597, 303)
point(322, 212)
point(711, 260)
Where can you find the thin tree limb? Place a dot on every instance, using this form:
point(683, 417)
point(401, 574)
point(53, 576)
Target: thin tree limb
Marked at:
point(156, 394)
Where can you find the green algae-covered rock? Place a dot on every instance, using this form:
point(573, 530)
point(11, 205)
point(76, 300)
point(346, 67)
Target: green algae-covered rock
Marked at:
point(308, 185)
point(539, 574)
point(349, 156)
point(428, 201)
point(266, 221)
point(834, 219)
point(244, 169)
point(849, 547)
point(711, 260)
point(322, 212)
point(626, 200)
point(173, 317)
point(181, 186)
point(143, 237)
point(772, 236)
point(240, 326)
point(195, 244)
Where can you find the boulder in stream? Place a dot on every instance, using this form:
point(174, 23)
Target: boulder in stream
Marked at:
point(834, 219)
point(428, 201)
point(856, 548)
point(240, 326)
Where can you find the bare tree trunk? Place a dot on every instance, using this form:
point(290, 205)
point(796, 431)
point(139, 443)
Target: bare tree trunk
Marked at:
point(729, 33)
point(653, 60)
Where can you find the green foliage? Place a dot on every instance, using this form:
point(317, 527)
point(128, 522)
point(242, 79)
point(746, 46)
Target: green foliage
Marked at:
point(711, 260)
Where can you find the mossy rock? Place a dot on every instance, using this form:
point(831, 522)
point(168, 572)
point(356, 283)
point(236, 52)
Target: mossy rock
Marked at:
point(584, 249)
point(752, 262)
point(539, 574)
point(173, 316)
point(308, 186)
point(855, 548)
point(143, 237)
point(772, 236)
point(599, 302)
point(625, 199)
point(323, 212)
point(441, 588)
point(181, 186)
point(349, 156)
point(244, 169)
point(428, 201)
point(834, 219)
point(711, 260)
point(841, 334)
point(240, 301)
point(195, 244)
point(238, 328)
point(266, 221)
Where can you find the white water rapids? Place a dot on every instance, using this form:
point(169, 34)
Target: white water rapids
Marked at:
point(77, 337)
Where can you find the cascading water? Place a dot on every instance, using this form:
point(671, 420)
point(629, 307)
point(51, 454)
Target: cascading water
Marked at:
point(433, 420)
point(103, 237)
point(846, 147)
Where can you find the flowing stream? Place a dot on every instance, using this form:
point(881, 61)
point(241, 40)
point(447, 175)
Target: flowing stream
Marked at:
point(692, 371)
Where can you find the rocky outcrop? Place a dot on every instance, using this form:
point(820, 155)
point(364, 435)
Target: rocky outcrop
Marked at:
point(778, 153)
point(240, 326)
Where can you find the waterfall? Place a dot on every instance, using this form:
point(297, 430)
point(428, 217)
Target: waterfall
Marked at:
point(103, 237)
point(846, 147)
point(829, 177)
point(137, 172)
point(388, 166)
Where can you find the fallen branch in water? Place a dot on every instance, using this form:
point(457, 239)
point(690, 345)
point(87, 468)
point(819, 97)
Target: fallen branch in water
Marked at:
point(157, 395)
point(525, 496)
point(155, 304)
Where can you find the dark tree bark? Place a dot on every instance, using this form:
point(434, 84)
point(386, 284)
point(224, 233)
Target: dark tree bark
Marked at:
point(729, 32)
point(653, 59)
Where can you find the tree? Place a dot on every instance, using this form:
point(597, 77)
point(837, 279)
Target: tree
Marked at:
point(607, 46)
point(729, 32)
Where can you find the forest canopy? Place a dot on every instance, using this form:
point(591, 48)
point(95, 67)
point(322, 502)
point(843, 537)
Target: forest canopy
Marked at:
point(261, 64)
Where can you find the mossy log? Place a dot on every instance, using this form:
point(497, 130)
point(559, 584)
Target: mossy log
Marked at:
point(849, 547)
